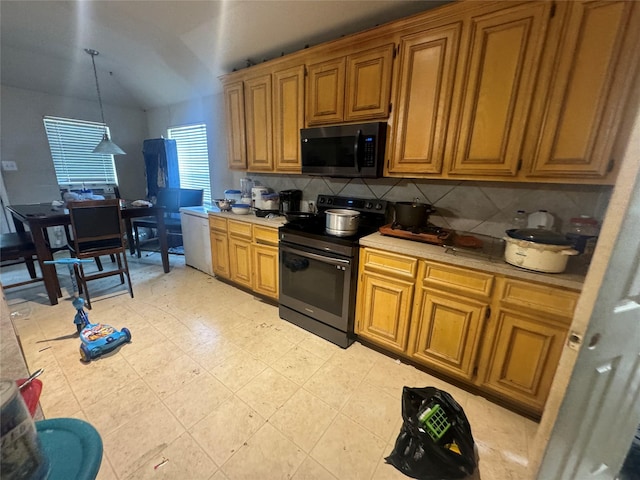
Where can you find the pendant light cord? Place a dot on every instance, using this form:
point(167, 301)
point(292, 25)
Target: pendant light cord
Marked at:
point(93, 53)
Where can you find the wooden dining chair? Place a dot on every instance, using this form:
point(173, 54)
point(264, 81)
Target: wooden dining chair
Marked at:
point(172, 199)
point(97, 230)
point(17, 248)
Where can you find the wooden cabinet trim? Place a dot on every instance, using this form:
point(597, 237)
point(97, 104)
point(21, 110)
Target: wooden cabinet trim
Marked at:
point(218, 224)
point(239, 229)
point(389, 263)
point(463, 280)
point(528, 296)
point(265, 235)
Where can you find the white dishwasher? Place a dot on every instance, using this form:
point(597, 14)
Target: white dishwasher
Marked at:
point(196, 239)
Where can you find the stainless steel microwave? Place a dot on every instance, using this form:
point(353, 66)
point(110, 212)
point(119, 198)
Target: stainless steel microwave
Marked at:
point(355, 150)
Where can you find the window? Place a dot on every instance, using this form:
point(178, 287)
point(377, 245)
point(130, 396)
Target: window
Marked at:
point(193, 157)
point(71, 143)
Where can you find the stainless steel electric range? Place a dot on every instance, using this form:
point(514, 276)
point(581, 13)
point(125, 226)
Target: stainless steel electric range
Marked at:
point(318, 271)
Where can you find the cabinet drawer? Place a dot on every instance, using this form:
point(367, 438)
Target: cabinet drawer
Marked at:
point(239, 229)
point(448, 277)
point(389, 263)
point(539, 298)
point(218, 224)
point(265, 235)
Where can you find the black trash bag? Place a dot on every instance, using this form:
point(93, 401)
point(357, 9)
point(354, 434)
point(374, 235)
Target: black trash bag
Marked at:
point(417, 454)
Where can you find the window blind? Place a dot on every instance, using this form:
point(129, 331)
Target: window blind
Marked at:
point(193, 157)
point(71, 143)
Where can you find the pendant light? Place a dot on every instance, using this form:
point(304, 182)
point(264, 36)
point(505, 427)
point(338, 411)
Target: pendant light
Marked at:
point(106, 146)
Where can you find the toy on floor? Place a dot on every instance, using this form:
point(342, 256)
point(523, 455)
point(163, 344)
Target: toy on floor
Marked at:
point(97, 338)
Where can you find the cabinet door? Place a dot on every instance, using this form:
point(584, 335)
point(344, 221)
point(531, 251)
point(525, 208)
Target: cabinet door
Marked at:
point(240, 261)
point(423, 102)
point(524, 358)
point(220, 254)
point(503, 62)
point(234, 116)
point(265, 270)
point(384, 310)
point(325, 92)
point(588, 81)
point(446, 331)
point(288, 118)
point(368, 84)
point(259, 126)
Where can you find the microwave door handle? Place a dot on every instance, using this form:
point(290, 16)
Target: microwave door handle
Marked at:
point(356, 151)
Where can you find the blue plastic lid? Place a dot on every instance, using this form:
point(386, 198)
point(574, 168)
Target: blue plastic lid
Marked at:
point(232, 192)
point(72, 446)
point(240, 205)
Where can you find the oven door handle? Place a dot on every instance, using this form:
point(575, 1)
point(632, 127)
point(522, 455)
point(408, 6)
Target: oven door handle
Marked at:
point(321, 258)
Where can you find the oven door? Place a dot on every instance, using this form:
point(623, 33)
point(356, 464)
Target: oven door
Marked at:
point(316, 284)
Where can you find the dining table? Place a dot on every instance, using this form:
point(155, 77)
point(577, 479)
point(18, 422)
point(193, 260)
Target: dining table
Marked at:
point(39, 216)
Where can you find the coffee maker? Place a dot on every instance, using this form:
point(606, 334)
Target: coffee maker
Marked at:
point(290, 201)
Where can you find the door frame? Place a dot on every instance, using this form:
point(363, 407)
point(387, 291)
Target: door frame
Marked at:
point(614, 219)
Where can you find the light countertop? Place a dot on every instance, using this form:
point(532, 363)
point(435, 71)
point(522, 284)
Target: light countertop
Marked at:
point(250, 218)
point(568, 279)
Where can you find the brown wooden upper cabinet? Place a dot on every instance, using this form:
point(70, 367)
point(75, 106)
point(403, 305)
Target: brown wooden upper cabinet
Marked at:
point(351, 88)
point(587, 73)
point(499, 79)
point(259, 126)
point(234, 118)
point(426, 72)
point(273, 117)
point(288, 118)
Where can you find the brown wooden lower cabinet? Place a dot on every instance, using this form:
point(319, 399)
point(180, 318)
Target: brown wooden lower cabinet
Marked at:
point(523, 359)
point(246, 254)
point(446, 331)
point(498, 334)
point(219, 246)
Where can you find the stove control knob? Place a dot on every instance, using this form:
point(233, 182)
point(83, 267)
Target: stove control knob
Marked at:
point(368, 205)
point(329, 201)
point(321, 200)
point(378, 206)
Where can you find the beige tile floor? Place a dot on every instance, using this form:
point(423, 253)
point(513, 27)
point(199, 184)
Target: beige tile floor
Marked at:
point(217, 384)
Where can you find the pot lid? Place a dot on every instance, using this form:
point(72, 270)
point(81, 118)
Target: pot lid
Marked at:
point(539, 235)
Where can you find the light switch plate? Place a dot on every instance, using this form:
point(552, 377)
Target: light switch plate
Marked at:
point(9, 166)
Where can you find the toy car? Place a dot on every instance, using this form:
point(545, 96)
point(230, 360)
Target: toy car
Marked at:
point(97, 338)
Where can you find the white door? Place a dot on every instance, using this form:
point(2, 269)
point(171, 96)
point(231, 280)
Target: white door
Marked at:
point(601, 408)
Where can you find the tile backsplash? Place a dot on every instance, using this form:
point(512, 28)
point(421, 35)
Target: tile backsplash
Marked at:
point(481, 207)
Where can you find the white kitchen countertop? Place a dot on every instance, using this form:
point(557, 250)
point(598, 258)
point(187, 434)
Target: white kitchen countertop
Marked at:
point(568, 279)
point(251, 218)
point(197, 211)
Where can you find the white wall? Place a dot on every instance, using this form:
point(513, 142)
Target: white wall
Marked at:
point(209, 110)
point(24, 141)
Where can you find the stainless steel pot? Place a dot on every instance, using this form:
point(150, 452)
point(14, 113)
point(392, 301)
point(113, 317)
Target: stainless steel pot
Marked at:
point(538, 249)
point(342, 222)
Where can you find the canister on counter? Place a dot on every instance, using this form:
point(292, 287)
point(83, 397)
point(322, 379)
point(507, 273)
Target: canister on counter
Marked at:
point(21, 455)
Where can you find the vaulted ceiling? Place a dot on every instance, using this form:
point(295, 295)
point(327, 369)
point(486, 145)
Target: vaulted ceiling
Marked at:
point(157, 53)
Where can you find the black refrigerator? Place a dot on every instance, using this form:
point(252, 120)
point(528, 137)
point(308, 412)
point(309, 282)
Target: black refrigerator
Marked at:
point(161, 165)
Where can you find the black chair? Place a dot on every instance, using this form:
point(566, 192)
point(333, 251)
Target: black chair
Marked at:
point(97, 230)
point(19, 248)
point(172, 199)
